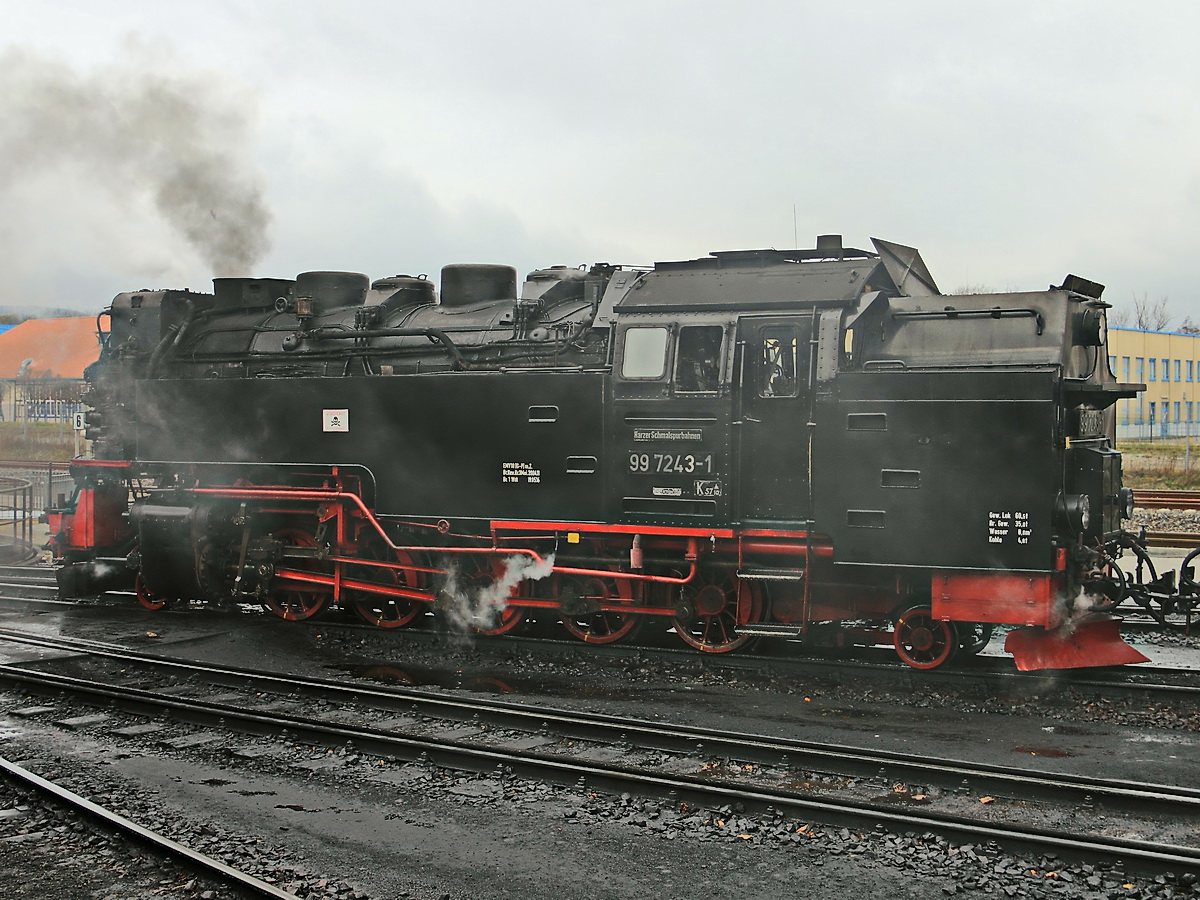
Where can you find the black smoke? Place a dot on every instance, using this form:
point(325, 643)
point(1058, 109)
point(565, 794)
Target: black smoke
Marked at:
point(118, 144)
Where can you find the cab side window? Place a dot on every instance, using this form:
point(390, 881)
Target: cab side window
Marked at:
point(698, 359)
point(779, 358)
point(645, 355)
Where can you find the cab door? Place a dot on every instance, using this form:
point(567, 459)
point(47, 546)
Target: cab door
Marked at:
point(669, 431)
point(773, 388)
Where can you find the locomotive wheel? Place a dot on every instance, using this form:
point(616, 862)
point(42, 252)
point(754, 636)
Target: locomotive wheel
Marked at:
point(211, 574)
point(147, 599)
point(297, 603)
point(578, 595)
point(974, 636)
point(710, 611)
point(922, 641)
point(379, 609)
point(510, 617)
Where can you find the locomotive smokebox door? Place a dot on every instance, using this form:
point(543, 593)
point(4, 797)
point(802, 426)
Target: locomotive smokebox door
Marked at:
point(770, 423)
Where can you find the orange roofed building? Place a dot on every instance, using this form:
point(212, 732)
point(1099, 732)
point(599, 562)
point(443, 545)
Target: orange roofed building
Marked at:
point(41, 367)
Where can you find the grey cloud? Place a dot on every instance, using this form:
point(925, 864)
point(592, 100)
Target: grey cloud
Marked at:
point(1011, 141)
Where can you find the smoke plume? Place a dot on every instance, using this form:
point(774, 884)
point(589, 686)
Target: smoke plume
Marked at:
point(118, 144)
point(468, 605)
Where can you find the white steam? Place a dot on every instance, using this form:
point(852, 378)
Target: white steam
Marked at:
point(472, 604)
point(1073, 611)
point(102, 569)
point(93, 163)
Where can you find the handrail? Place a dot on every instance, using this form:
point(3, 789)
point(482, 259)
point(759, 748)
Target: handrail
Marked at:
point(995, 313)
point(17, 517)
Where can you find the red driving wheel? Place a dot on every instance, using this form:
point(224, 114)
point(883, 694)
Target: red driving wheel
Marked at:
point(922, 641)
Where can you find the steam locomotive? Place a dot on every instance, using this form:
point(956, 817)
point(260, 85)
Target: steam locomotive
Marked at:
point(814, 445)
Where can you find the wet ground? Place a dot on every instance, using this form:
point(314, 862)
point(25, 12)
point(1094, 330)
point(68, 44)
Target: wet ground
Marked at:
point(408, 834)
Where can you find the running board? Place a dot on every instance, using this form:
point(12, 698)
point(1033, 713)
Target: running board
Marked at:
point(785, 631)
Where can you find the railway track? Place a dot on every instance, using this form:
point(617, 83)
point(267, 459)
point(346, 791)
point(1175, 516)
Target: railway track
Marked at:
point(219, 872)
point(29, 584)
point(696, 766)
point(37, 585)
point(30, 576)
point(992, 674)
point(1147, 499)
point(1174, 539)
point(843, 760)
point(1181, 500)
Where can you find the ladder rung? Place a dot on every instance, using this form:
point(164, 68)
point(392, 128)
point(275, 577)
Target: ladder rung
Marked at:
point(772, 574)
point(770, 630)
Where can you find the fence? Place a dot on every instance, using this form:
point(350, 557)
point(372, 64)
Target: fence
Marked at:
point(46, 479)
point(1156, 431)
point(31, 399)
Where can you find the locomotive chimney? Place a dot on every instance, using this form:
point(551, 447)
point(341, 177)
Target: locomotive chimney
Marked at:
point(330, 290)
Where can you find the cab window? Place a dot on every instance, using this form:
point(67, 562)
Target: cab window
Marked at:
point(698, 359)
point(645, 353)
point(778, 373)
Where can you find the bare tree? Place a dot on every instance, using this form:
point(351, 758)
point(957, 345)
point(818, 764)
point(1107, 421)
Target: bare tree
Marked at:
point(974, 289)
point(1189, 327)
point(1150, 315)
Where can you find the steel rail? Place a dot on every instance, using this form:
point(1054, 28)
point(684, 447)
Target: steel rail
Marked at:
point(1151, 499)
point(991, 671)
point(192, 859)
point(32, 574)
point(837, 758)
point(35, 601)
point(1172, 539)
point(31, 579)
point(704, 791)
point(32, 587)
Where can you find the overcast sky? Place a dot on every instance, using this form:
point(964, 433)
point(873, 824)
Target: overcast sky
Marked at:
point(1012, 142)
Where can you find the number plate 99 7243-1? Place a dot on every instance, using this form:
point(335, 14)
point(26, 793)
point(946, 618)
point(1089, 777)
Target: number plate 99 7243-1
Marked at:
point(681, 463)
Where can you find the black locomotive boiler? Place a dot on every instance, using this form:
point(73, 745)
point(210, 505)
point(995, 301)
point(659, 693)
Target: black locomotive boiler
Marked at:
point(815, 445)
